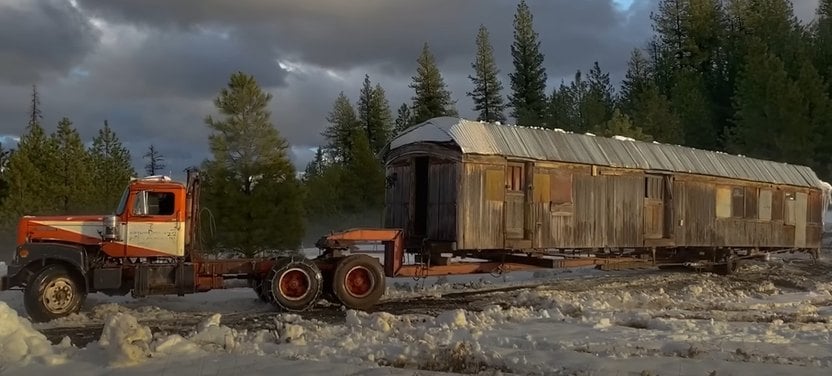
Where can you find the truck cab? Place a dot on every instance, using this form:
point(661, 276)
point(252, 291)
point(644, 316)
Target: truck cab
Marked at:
point(68, 256)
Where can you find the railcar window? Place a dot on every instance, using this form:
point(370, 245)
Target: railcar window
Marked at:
point(653, 187)
point(738, 203)
point(751, 194)
point(789, 203)
point(764, 205)
point(723, 202)
point(813, 212)
point(777, 206)
point(494, 188)
point(514, 178)
point(542, 189)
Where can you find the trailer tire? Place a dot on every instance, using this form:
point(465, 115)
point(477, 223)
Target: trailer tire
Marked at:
point(294, 284)
point(730, 266)
point(53, 292)
point(358, 281)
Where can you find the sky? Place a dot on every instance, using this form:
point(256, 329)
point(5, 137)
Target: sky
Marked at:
point(152, 68)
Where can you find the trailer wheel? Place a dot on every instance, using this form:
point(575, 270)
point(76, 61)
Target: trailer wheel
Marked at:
point(729, 267)
point(53, 292)
point(295, 284)
point(358, 281)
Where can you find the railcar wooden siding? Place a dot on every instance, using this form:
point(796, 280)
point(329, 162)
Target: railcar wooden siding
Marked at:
point(492, 202)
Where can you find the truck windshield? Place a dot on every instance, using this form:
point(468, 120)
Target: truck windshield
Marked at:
point(123, 202)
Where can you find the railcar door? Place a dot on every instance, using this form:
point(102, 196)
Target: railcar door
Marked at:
point(658, 215)
point(515, 203)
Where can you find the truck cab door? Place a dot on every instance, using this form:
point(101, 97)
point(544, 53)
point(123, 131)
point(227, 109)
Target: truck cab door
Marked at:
point(155, 225)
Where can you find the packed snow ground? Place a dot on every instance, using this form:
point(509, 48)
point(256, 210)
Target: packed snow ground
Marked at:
point(769, 319)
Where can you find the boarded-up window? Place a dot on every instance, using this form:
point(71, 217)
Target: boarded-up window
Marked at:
point(514, 178)
point(789, 204)
point(561, 184)
point(737, 202)
point(542, 189)
point(653, 187)
point(814, 209)
point(764, 205)
point(723, 202)
point(494, 185)
point(777, 206)
point(751, 202)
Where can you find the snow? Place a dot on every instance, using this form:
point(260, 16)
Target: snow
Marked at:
point(623, 138)
point(768, 320)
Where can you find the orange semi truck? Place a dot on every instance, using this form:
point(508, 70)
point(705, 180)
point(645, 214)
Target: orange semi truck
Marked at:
point(148, 246)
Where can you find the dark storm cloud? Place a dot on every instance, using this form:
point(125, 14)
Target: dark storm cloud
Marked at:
point(341, 34)
point(41, 39)
point(190, 64)
point(160, 63)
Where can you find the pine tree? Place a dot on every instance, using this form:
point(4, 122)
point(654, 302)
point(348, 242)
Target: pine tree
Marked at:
point(636, 80)
point(362, 186)
point(73, 174)
point(5, 154)
point(340, 134)
point(251, 182)
point(771, 113)
point(112, 168)
point(374, 114)
point(642, 102)
point(528, 81)
point(652, 112)
point(31, 169)
point(822, 40)
point(597, 105)
point(432, 98)
point(403, 120)
point(487, 97)
point(316, 167)
point(561, 110)
point(155, 161)
point(35, 115)
point(619, 124)
point(577, 93)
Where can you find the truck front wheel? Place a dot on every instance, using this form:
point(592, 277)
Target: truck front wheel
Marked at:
point(53, 292)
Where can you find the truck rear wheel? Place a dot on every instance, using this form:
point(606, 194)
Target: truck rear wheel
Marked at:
point(53, 292)
point(358, 281)
point(295, 285)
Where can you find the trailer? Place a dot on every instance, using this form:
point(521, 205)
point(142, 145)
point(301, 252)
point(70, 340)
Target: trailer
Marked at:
point(461, 197)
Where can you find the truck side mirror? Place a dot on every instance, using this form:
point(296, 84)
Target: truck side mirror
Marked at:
point(140, 207)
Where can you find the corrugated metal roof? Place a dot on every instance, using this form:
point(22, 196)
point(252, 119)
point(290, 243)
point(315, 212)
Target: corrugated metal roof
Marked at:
point(555, 145)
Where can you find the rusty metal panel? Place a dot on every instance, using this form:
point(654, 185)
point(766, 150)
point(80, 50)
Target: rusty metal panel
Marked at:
point(442, 193)
point(553, 145)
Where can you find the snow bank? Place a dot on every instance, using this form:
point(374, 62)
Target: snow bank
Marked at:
point(124, 340)
point(21, 344)
point(3, 268)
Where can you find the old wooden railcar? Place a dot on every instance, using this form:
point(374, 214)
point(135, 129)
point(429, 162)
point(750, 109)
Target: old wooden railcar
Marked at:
point(479, 189)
